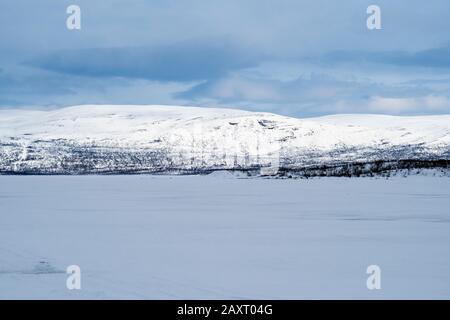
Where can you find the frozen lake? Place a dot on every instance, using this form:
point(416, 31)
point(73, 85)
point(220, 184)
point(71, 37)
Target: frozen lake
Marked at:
point(209, 237)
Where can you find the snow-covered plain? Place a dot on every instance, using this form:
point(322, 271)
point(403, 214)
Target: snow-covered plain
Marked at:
point(214, 237)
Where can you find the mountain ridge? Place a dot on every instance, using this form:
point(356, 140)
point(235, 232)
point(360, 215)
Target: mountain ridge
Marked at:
point(93, 139)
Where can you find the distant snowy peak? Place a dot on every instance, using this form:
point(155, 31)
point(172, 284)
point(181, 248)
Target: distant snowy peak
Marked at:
point(166, 139)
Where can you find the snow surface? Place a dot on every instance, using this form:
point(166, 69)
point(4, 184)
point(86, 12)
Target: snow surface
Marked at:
point(119, 138)
point(211, 237)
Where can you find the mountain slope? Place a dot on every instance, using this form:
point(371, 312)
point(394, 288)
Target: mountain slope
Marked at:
point(163, 139)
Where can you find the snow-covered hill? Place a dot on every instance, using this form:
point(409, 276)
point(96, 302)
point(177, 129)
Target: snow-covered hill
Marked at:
point(166, 139)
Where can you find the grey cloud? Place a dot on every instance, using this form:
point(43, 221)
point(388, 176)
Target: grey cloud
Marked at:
point(312, 95)
point(433, 58)
point(187, 61)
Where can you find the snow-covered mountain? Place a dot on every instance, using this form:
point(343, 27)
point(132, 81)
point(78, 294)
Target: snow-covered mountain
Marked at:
point(165, 139)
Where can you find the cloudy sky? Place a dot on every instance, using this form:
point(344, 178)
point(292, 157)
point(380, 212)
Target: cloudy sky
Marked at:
point(292, 57)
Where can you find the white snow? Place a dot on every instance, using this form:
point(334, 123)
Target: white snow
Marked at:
point(207, 237)
point(128, 125)
point(126, 137)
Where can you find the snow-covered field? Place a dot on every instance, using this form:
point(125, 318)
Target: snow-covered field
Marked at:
point(216, 237)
